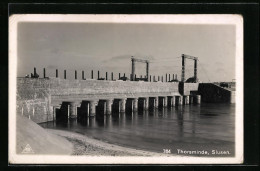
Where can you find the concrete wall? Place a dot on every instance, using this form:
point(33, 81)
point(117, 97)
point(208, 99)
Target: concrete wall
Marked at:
point(33, 99)
point(186, 88)
point(36, 97)
point(215, 94)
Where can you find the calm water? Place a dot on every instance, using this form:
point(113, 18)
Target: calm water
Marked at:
point(191, 127)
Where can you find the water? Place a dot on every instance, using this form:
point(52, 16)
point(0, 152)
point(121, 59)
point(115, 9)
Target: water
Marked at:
point(191, 128)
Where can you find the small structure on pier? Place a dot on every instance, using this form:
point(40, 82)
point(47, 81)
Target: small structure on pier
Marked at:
point(193, 79)
point(133, 68)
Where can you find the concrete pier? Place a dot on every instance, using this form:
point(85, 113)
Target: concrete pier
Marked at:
point(180, 102)
point(109, 103)
point(72, 110)
point(122, 104)
point(171, 101)
point(92, 108)
point(135, 104)
point(146, 103)
point(165, 101)
point(156, 102)
point(198, 99)
point(141, 103)
point(187, 100)
point(191, 99)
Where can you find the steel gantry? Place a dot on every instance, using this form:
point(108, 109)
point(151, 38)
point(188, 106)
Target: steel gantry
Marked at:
point(183, 66)
point(133, 67)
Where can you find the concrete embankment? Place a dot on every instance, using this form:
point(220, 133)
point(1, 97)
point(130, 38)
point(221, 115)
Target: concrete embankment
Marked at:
point(38, 139)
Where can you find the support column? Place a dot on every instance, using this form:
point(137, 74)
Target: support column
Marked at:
point(146, 103)
point(92, 108)
point(156, 102)
point(109, 104)
point(165, 102)
point(173, 101)
point(191, 99)
point(72, 110)
point(187, 100)
point(135, 104)
point(180, 100)
point(122, 105)
point(198, 99)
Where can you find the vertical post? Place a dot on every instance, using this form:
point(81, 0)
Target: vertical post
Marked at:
point(112, 76)
point(135, 77)
point(183, 69)
point(173, 100)
point(169, 77)
point(133, 68)
point(162, 78)
point(150, 78)
point(65, 74)
point(147, 70)
point(106, 75)
point(158, 78)
point(146, 103)
point(119, 76)
point(195, 70)
point(156, 102)
point(92, 74)
point(92, 108)
point(124, 74)
point(166, 77)
point(57, 73)
point(44, 73)
point(83, 75)
point(34, 71)
point(122, 105)
point(68, 111)
point(109, 103)
point(135, 104)
point(75, 74)
point(173, 76)
point(154, 78)
point(180, 100)
point(98, 75)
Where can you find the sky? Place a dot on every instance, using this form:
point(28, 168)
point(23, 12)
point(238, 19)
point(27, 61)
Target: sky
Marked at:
point(108, 47)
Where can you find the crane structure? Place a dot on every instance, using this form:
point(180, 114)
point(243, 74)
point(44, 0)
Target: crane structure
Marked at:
point(184, 57)
point(133, 67)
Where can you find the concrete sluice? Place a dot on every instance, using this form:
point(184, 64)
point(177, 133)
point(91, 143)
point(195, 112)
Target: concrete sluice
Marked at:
point(86, 110)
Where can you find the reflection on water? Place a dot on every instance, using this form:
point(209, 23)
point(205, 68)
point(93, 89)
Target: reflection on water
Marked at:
point(190, 127)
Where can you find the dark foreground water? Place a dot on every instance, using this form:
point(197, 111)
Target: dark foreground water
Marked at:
point(193, 130)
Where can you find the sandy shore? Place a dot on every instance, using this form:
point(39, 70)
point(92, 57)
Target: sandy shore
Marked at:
point(83, 145)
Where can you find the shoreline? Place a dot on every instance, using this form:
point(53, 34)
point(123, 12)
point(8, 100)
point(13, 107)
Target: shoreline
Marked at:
point(84, 145)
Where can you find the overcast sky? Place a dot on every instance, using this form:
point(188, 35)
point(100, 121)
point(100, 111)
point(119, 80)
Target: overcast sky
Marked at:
point(109, 47)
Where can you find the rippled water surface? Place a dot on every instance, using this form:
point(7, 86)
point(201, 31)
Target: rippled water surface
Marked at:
point(189, 128)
